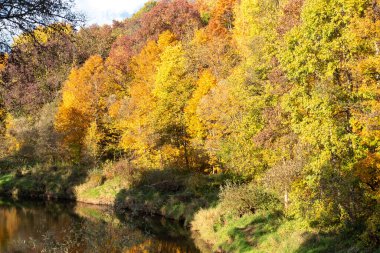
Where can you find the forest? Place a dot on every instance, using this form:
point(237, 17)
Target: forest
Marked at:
point(257, 122)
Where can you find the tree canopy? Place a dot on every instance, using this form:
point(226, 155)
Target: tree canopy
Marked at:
point(281, 93)
point(21, 16)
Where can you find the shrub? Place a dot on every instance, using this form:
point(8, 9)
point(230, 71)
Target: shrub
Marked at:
point(119, 168)
point(197, 183)
point(94, 179)
point(371, 236)
point(161, 180)
point(205, 221)
point(237, 200)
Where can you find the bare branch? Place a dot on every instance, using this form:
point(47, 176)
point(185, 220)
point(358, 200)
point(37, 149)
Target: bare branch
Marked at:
point(23, 16)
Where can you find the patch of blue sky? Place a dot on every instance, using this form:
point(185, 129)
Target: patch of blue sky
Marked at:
point(104, 12)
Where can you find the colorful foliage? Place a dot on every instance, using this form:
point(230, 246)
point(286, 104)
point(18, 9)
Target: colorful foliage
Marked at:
point(284, 93)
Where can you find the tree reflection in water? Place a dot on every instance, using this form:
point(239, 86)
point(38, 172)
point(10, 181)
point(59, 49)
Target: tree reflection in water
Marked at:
point(51, 227)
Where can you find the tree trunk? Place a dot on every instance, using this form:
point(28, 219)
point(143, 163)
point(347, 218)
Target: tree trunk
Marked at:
point(286, 199)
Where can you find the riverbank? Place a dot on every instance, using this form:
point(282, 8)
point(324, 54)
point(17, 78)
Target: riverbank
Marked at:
point(174, 194)
point(216, 211)
point(269, 232)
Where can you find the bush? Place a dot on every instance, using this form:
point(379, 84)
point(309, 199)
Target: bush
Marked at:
point(205, 221)
point(120, 168)
point(197, 183)
point(237, 200)
point(95, 178)
point(160, 180)
point(371, 236)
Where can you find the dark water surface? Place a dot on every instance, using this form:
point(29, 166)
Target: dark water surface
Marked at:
point(67, 227)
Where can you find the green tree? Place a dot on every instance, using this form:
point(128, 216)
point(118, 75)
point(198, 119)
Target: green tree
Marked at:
point(315, 57)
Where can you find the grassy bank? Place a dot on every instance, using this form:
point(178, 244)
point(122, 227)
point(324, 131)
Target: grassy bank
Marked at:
point(174, 194)
point(40, 180)
point(224, 216)
point(250, 219)
point(263, 232)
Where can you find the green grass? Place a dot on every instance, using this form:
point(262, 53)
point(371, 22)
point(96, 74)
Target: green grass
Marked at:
point(40, 181)
point(6, 182)
point(5, 179)
point(102, 194)
point(171, 193)
point(261, 233)
point(177, 195)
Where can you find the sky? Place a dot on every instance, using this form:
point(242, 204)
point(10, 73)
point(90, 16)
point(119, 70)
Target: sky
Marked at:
point(104, 11)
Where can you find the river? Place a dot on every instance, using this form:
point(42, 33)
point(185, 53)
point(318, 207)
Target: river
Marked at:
point(35, 226)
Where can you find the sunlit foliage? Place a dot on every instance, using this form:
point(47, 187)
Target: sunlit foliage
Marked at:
point(283, 93)
point(80, 100)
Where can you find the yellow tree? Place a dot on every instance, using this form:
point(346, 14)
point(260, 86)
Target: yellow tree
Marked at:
point(324, 106)
point(135, 119)
point(172, 89)
point(195, 126)
point(235, 121)
point(364, 38)
point(221, 112)
point(79, 106)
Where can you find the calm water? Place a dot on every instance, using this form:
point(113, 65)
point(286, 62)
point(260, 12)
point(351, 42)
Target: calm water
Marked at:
point(52, 227)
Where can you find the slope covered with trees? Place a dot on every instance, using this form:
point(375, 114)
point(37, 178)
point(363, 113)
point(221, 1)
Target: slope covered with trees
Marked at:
point(279, 96)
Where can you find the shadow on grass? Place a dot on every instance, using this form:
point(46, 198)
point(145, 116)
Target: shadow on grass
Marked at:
point(334, 243)
point(175, 194)
point(30, 179)
point(245, 238)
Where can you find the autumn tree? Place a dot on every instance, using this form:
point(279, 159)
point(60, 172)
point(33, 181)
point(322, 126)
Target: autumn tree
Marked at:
point(34, 75)
point(321, 106)
point(195, 126)
point(222, 18)
point(249, 89)
point(364, 38)
point(23, 17)
point(178, 16)
point(172, 89)
point(134, 116)
point(79, 109)
point(93, 40)
point(211, 46)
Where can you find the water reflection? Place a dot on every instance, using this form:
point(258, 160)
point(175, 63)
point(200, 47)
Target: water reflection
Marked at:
point(52, 227)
